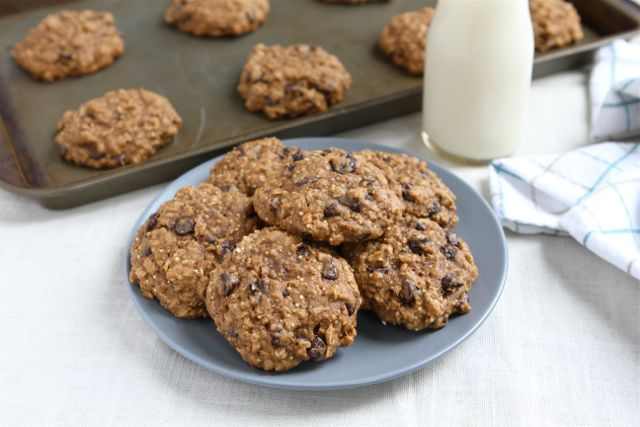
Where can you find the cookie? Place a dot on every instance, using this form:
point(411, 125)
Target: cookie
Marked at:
point(69, 43)
point(556, 24)
point(280, 302)
point(416, 276)
point(424, 195)
point(404, 38)
point(291, 81)
point(120, 128)
point(250, 165)
point(217, 18)
point(178, 246)
point(330, 196)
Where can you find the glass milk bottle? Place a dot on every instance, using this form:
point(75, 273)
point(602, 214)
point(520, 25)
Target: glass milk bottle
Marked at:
point(477, 78)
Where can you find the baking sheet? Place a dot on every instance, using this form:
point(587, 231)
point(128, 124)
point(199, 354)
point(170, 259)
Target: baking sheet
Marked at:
point(199, 76)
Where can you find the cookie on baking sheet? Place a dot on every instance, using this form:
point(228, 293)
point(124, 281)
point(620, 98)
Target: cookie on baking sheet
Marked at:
point(416, 276)
point(291, 81)
point(280, 301)
point(120, 128)
point(404, 38)
point(178, 246)
point(330, 196)
point(69, 43)
point(556, 24)
point(217, 18)
point(424, 195)
point(250, 165)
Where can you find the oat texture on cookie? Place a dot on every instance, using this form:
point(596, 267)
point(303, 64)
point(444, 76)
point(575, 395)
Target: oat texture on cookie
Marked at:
point(404, 39)
point(70, 43)
point(556, 24)
point(217, 18)
point(416, 276)
point(122, 127)
point(291, 81)
point(280, 301)
point(331, 196)
point(252, 164)
point(177, 247)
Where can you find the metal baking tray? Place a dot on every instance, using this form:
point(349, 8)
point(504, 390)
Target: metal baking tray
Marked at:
point(199, 76)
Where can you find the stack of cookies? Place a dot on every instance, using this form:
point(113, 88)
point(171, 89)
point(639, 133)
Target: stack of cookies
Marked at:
point(282, 247)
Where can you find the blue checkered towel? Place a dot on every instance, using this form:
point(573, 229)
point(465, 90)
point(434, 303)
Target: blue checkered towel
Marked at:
point(591, 194)
point(615, 92)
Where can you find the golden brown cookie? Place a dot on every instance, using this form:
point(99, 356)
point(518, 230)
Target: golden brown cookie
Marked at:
point(252, 164)
point(556, 24)
point(416, 276)
point(404, 38)
point(280, 302)
point(179, 245)
point(217, 18)
point(331, 196)
point(120, 128)
point(291, 81)
point(70, 43)
point(424, 195)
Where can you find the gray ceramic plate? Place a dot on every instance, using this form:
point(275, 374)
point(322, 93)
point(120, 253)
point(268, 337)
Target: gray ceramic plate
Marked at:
point(380, 353)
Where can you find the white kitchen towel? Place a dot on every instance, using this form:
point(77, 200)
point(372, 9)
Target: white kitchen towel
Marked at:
point(591, 194)
point(615, 92)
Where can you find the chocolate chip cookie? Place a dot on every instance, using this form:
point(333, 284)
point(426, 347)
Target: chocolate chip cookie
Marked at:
point(330, 196)
point(70, 43)
point(280, 301)
point(424, 195)
point(291, 81)
point(556, 24)
point(250, 165)
point(178, 246)
point(217, 18)
point(416, 276)
point(119, 128)
point(404, 38)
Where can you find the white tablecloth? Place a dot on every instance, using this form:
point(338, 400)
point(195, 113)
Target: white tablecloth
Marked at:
point(561, 348)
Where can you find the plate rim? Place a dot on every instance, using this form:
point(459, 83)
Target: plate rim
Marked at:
point(271, 380)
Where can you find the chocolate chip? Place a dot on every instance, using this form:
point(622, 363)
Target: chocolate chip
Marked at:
point(229, 283)
point(146, 250)
point(258, 285)
point(331, 210)
point(297, 156)
point(285, 293)
point(227, 246)
point(307, 238)
point(452, 238)
point(351, 203)
point(420, 226)
point(417, 245)
point(329, 270)
point(408, 292)
point(449, 251)
point(152, 222)
point(350, 308)
point(302, 250)
point(184, 226)
point(275, 341)
point(291, 167)
point(347, 165)
point(406, 193)
point(450, 284)
point(64, 58)
point(306, 180)
point(434, 209)
point(318, 349)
